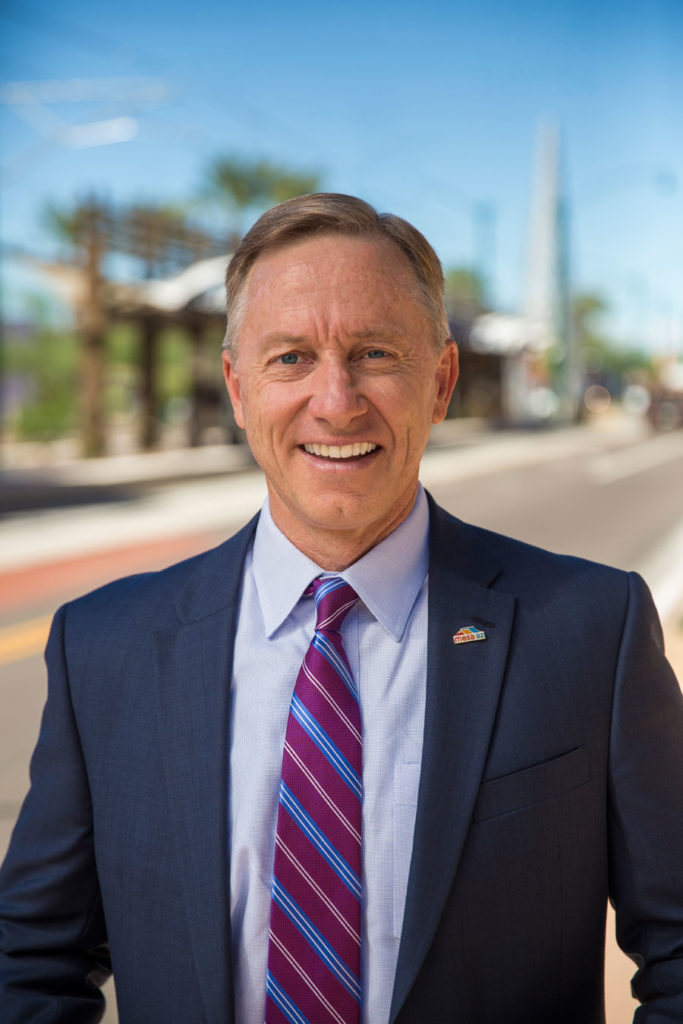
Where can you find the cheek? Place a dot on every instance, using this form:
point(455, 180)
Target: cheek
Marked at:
point(269, 417)
point(407, 407)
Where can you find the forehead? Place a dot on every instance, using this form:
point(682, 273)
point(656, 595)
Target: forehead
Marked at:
point(336, 273)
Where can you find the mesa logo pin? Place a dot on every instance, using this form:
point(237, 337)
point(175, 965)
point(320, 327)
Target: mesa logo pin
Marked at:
point(466, 634)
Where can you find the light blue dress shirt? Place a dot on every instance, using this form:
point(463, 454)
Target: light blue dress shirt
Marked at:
point(385, 638)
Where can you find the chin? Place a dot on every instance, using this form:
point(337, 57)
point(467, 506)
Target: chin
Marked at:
point(337, 513)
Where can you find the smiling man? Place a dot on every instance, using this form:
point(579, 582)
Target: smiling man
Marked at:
point(337, 379)
point(363, 762)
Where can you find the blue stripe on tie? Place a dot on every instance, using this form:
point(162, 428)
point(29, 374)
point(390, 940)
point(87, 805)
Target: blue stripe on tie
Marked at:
point(312, 831)
point(328, 586)
point(325, 745)
point(283, 1002)
point(316, 940)
point(331, 654)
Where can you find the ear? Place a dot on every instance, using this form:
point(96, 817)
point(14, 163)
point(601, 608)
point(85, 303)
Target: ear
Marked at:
point(232, 383)
point(446, 375)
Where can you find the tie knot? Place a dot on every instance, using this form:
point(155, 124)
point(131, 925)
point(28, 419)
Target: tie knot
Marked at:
point(334, 597)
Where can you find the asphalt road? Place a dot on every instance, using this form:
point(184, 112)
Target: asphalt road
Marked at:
point(606, 498)
point(611, 494)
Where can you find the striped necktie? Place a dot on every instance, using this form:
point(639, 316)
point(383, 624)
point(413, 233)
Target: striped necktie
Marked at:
point(314, 947)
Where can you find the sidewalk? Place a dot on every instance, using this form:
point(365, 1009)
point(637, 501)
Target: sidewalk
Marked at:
point(69, 481)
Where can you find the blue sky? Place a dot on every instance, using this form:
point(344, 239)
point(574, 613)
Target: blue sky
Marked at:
point(423, 109)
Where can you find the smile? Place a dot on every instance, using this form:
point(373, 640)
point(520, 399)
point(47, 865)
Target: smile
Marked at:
point(344, 451)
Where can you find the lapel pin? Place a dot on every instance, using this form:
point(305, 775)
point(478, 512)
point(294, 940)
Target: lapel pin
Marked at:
point(466, 634)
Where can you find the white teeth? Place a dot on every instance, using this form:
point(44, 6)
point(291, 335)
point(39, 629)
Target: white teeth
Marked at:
point(335, 451)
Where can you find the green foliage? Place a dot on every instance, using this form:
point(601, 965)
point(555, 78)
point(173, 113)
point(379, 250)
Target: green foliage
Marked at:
point(465, 293)
point(49, 417)
point(245, 184)
point(123, 358)
point(45, 368)
point(174, 366)
point(66, 225)
point(601, 357)
point(587, 308)
point(121, 379)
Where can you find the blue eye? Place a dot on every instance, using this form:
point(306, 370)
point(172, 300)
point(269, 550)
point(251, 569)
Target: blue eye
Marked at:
point(376, 353)
point(289, 358)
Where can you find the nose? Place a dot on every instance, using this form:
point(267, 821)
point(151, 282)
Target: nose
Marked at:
point(336, 397)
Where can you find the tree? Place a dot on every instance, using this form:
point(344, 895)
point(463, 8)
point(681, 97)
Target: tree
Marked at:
point(42, 373)
point(586, 310)
point(251, 185)
point(604, 362)
point(465, 293)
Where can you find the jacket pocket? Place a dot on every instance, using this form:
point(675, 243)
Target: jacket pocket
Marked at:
point(532, 785)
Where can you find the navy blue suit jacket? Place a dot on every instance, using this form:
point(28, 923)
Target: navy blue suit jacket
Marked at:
point(552, 777)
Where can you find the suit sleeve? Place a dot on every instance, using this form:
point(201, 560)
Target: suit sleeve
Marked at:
point(53, 953)
point(646, 813)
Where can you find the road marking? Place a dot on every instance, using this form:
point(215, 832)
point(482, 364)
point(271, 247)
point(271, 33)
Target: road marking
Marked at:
point(636, 459)
point(23, 639)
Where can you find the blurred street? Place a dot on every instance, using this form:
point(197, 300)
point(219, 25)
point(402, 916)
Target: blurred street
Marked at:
point(611, 492)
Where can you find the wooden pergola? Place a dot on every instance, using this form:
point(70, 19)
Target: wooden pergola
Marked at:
point(180, 286)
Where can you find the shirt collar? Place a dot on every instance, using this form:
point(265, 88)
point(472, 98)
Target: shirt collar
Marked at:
point(387, 578)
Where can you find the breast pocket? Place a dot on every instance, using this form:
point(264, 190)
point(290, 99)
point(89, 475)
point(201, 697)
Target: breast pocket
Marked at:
point(533, 785)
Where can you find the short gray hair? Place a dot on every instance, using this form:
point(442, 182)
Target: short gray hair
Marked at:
point(325, 213)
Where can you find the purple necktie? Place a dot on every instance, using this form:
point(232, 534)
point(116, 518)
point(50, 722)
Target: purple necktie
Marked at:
point(314, 948)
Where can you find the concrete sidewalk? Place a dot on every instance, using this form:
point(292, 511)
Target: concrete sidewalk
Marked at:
point(71, 482)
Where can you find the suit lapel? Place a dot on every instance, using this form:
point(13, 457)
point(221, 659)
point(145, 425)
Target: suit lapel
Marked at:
point(194, 674)
point(463, 688)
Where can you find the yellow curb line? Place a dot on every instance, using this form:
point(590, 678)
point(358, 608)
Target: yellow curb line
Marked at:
point(23, 639)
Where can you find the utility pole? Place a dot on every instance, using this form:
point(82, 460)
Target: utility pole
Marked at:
point(547, 306)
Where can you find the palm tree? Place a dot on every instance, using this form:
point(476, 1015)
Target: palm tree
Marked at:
point(252, 185)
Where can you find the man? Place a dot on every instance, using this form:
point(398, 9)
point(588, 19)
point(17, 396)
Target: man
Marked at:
point(521, 731)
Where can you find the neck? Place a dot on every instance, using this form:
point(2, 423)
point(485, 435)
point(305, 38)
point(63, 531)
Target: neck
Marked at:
point(334, 549)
